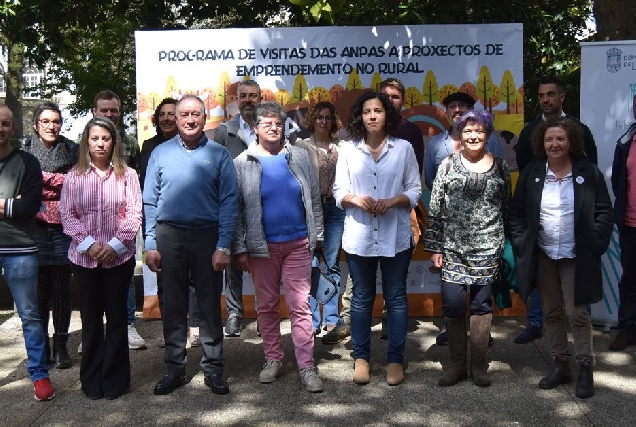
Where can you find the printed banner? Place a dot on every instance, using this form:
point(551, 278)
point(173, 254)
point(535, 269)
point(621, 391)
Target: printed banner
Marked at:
point(608, 87)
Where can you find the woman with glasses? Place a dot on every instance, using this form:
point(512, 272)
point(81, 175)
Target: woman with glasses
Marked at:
point(101, 211)
point(465, 236)
point(561, 220)
point(56, 155)
point(377, 184)
point(278, 229)
point(323, 121)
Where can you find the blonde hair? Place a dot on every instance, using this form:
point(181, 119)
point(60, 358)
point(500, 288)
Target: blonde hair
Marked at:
point(116, 155)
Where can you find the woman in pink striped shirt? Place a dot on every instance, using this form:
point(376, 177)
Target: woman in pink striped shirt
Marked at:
point(101, 212)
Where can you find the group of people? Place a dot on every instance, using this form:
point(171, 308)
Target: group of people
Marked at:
point(249, 199)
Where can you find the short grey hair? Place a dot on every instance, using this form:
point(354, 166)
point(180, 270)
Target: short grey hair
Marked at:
point(270, 109)
point(190, 96)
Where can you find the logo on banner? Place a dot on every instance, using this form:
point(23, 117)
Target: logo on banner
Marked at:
point(613, 63)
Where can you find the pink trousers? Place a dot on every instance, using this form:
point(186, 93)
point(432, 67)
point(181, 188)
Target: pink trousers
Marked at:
point(289, 263)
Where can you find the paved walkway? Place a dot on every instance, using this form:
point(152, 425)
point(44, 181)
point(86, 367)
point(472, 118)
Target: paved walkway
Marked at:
point(513, 399)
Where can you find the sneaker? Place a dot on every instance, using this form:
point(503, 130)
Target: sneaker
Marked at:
point(135, 341)
point(270, 371)
point(310, 379)
point(195, 341)
point(233, 326)
point(442, 338)
point(623, 339)
point(337, 334)
point(161, 342)
point(79, 348)
point(43, 390)
point(529, 334)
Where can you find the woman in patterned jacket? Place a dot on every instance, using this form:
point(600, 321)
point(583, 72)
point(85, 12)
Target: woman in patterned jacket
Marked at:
point(465, 234)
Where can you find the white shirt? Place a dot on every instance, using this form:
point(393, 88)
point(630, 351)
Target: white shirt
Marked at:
point(556, 217)
point(248, 132)
point(396, 172)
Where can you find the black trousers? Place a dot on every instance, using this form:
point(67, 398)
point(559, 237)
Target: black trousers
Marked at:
point(627, 285)
point(105, 366)
point(186, 255)
point(454, 300)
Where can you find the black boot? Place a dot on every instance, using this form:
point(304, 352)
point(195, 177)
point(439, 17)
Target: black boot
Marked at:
point(560, 374)
point(60, 352)
point(585, 382)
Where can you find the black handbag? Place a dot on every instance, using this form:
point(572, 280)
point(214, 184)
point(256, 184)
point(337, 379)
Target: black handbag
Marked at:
point(323, 287)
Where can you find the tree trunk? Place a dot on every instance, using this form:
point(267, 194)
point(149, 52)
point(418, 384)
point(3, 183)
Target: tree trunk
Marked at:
point(14, 85)
point(615, 19)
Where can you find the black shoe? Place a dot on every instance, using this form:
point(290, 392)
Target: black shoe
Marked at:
point(337, 334)
point(170, 383)
point(233, 326)
point(217, 383)
point(60, 352)
point(442, 338)
point(529, 334)
point(113, 396)
point(585, 382)
point(560, 374)
point(623, 339)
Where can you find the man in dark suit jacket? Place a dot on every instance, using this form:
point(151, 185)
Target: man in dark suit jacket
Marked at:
point(236, 135)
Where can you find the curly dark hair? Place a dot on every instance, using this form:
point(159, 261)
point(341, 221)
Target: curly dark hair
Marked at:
point(155, 117)
point(356, 128)
point(314, 112)
point(571, 128)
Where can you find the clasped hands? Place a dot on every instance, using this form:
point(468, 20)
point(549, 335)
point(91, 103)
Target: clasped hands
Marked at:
point(369, 204)
point(102, 252)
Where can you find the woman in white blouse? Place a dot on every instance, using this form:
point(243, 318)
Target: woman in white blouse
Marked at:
point(377, 184)
point(561, 223)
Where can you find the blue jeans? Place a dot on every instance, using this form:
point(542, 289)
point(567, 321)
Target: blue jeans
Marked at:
point(21, 272)
point(533, 309)
point(394, 272)
point(132, 301)
point(333, 218)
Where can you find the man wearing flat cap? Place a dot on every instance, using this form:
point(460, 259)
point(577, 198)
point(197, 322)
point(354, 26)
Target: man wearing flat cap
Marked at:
point(448, 142)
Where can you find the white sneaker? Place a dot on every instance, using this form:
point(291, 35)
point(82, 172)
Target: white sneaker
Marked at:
point(135, 341)
point(161, 342)
point(79, 349)
point(270, 371)
point(310, 379)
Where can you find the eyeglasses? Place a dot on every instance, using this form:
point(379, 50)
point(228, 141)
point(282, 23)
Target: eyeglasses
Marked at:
point(270, 125)
point(48, 123)
point(324, 119)
point(457, 105)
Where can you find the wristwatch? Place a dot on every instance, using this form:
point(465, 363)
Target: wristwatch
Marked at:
point(226, 251)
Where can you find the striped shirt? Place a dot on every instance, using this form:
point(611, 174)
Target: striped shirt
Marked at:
point(101, 209)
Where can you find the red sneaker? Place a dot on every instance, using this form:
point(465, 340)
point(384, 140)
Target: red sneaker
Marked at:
point(43, 390)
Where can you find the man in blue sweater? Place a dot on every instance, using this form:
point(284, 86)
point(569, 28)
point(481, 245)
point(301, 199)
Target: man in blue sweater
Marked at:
point(191, 207)
point(20, 199)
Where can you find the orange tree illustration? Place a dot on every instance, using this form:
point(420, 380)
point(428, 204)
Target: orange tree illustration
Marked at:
point(430, 92)
point(210, 100)
point(470, 89)
point(267, 95)
point(447, 90)
point(319, 94)
point(335, 91)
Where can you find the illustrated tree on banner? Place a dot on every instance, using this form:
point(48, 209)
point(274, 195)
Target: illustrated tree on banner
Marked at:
point(412, 97)
point(300, 91)
point(508, 90)
point(267, 95)
point(354, 81)
point(485, 87)
point(319, 94)
point(336, 91)
point(376, 79)
point(468, 88)
point(171, 87)
point(153, 99)
point(283, 97)
point(430, 93)
point(222, 92)
point(447, 90)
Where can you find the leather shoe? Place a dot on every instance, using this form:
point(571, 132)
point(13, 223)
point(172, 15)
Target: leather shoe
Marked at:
point(528, 335)
point(233, 326)
point(623, 340)
point(217, 383)
point(337, 334)
point(170, 383)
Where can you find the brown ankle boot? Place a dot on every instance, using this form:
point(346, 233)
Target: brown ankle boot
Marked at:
point(362, 372)
point(479, 336)
point(394, 374)
point(456, 333)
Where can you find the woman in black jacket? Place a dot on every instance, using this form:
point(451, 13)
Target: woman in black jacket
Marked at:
point(561, 223)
